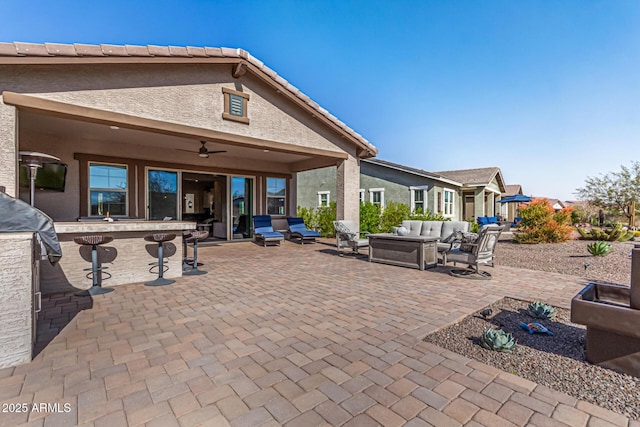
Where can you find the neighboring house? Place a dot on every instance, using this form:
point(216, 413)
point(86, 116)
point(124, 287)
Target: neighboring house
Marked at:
point(481, 190)
point(382, 182)
point(556, 204)
point(509, 210)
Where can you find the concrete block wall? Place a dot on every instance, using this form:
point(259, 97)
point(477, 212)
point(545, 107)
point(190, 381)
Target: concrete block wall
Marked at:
point(16, 299)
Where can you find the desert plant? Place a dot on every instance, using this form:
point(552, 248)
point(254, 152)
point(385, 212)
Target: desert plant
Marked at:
point(392, 215)
point(599, 248)
point(498, 340)
point(615, 233)
point(541, 310)
point(541, 224)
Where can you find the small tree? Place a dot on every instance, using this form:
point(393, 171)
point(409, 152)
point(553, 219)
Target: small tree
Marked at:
point(618, 191)
point(369, 217)
point(541, 224)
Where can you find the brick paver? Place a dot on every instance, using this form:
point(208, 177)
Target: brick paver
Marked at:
point(289, 335)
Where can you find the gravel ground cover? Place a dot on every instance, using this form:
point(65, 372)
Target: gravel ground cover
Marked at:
point(568, 258)
point(554, 361)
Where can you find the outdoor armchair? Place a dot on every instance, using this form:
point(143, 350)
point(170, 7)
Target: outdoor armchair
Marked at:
point(348, 237)
point(263, 230)
point(474, 254)
point(298, 230)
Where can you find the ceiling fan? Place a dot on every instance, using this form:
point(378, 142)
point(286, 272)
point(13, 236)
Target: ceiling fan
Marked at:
point(203, 151)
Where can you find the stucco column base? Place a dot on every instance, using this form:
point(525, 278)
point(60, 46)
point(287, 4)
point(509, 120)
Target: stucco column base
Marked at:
point(347, 186)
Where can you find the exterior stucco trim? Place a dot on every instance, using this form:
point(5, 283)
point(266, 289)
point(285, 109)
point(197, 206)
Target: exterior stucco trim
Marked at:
point(94, 115)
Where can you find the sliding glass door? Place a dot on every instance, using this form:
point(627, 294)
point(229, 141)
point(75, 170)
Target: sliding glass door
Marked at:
point(242, 207)
point(162, 194)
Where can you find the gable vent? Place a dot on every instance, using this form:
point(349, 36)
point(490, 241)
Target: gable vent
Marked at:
point(235, 105)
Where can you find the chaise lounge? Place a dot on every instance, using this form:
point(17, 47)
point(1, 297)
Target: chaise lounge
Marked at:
point(298, 230)
point(263, 230)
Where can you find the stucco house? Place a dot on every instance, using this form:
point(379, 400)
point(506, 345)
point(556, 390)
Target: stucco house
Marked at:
point(159, 138)
point(382, 182)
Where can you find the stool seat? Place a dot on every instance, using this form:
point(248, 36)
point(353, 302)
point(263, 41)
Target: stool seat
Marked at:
point(96, 270)
point(94, 239)
point(197, 235)
point(159, 237)
point(194, 237)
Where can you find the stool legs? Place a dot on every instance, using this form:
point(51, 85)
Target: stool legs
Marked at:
point(160, 281)
point(194, 270)
point(96, 276)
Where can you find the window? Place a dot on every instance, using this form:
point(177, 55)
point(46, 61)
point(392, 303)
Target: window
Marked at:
point(361, 195)
point(376, 196)
point(276, 196)
point(448, 203)
point(417, 199)
point(235, 105)
point(107, 189)
point(323, 198)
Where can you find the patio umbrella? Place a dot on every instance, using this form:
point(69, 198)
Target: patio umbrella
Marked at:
point(516, 198)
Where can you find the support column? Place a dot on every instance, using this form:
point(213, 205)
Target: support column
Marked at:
point(347, 186)
point(8, 149)
point(478, 202)
point(491, 204)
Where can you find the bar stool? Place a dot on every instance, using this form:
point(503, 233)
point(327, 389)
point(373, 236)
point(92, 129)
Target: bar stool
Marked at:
point(95, 272)
point(195, 236)
point(185, 260)
point(160, 238)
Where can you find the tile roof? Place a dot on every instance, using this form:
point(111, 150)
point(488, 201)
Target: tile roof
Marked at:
point(19, 50)
point(471, 176)
point(408, 169)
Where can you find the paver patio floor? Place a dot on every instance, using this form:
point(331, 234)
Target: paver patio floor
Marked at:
point(289, 335)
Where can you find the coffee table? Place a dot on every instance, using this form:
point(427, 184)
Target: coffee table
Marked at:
point(404, 251)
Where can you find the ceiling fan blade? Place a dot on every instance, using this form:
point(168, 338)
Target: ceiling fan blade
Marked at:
point(219, 151)
point(188, 151)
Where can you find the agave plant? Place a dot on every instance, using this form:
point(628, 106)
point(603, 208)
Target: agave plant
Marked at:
point(541, 310)
point(599, 248)
point(498, 340)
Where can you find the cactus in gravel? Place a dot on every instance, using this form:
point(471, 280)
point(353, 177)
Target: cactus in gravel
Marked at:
point(541, 310)
point(498, 340)
point(599, 248)
point(617, 233)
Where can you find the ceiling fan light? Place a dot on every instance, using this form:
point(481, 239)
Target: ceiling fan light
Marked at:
point(204, 155)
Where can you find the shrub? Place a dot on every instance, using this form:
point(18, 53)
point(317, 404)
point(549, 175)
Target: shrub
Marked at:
point(474, 227)
point(420, 215)
point(369, 217)
point(325, 217)
point(309, 216)
point(393, 215)
point(599, 248)
point(540, 224)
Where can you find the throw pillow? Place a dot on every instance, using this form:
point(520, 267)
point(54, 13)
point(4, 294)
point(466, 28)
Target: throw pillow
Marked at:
point(343, 229)
point(466, 239)
point(456, 236)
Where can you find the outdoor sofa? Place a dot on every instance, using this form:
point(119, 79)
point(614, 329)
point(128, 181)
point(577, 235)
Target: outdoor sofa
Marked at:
point(445, 231)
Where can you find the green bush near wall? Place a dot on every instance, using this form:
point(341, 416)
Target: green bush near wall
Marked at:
point(372, 220)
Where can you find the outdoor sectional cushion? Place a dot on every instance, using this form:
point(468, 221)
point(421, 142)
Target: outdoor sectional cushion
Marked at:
point(413, 227)
point(432, 228)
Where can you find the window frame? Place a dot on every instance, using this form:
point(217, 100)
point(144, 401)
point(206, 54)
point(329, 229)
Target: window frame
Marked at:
point(324, 193)
point(377, 190)
point(361, 195)
point(90, 188)
point(226, 115)
point(424, 189)
point(450, 204)
point(267, 197)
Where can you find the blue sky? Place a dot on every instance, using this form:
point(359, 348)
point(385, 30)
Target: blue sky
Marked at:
point(549, 91)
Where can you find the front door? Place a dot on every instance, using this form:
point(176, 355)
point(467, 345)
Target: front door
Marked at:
point(469, 206)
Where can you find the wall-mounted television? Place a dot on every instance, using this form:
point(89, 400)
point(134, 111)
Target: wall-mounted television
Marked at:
point(51, 176)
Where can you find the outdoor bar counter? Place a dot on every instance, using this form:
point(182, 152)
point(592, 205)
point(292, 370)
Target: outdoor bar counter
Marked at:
point(127, 257)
